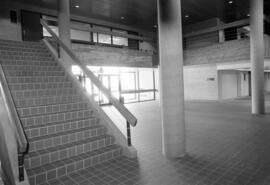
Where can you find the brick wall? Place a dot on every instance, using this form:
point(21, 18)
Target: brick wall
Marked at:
point(110, 56)
point(221, 52)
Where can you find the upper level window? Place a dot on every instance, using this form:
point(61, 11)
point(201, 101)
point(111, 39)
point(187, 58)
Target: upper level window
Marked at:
point(100, 37)
point(80, 31)
point(117, 40)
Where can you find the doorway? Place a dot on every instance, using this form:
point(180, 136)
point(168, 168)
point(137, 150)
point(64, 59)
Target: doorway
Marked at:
point(31, 27)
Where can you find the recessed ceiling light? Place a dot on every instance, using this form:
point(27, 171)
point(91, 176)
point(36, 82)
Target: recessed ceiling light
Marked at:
point(155, 26)
point(230, 2)
point(122, 17)
point(186, 16)
point(77, 6)
point(248, 15)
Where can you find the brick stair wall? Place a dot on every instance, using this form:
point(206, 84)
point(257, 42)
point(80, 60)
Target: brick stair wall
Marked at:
point(63, 131)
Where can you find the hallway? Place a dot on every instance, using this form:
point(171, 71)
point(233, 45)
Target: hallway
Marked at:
point(225, 145)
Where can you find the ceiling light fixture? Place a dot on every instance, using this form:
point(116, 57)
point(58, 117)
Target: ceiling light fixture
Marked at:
point(155, 26)
point(230, 2)
point(122, 18)
point(248, 15)
point(77, 6)
point(186, 16)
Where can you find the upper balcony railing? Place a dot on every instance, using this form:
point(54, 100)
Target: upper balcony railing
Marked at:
point(226, 32)
point(218, 34)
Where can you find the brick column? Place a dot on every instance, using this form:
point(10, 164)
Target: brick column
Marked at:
point(171, 77)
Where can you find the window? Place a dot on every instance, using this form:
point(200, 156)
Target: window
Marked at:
point(100, 37)
point(131, 84)
point(117, 40)
point(81, 33)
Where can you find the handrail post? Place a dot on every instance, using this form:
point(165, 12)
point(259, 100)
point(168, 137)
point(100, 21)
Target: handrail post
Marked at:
point(128, 134)
point(21, 166)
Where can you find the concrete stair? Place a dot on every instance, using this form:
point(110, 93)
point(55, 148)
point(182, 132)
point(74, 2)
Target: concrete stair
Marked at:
point(63, 132)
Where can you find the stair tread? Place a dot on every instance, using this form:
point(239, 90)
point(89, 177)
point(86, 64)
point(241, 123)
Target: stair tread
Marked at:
point(45, 89)
point(83, 102)
point(64, 133)
point(56, 123)
point(53, 113)
point(68, 145)
point(49, 97)
point(57, 164)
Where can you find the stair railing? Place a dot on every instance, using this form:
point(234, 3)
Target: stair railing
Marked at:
point(21, 138)
point(129, 117)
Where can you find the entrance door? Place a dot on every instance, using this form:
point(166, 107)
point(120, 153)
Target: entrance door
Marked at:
point(31, 27)
point(113, 84)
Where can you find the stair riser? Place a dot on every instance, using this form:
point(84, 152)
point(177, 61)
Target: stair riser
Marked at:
point(26, 62)
point(9, 52)
point(49, 109)
point(47, 101)
point(37, 86)
point(14, 73)
point(27, 58)
point(37, 79)
point(53, 118)
point(60, 127)
point(43, 93)
point(31, 68)
point(63, 170)
point(22, 48)
point(54, 141)
point(71, 151)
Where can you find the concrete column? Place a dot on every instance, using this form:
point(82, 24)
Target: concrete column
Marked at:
point(257, 56)
point(64, 24)
point(171, 78)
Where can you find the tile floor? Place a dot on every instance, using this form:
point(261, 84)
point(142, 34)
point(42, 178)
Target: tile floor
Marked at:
point(226, 145)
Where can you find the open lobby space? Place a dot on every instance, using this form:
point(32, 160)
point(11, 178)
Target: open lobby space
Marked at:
point(225, 146)
point(135, 92)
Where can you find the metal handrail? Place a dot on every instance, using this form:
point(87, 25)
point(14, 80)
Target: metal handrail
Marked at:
point(21, 138)
point(130, 118)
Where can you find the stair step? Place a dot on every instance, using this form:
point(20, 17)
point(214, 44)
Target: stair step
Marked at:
point(49, 109)
point(27, 58)
point(26, 62)
point(55, 128)
point(8, 51)
point(50, 100)
point(37, 79)
point(20, 73)
point(49, 155)
point(43, 92)
point(31, 68)
point(36, 86)
point(63, 167)
point(53, 140)
point(22, 48)
point(56, 117)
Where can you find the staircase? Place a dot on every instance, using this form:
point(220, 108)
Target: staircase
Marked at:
point(63, 132)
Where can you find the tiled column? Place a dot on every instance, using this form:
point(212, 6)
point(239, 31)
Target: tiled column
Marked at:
point(171, 77)
point(257, 56)
point(64, 24)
